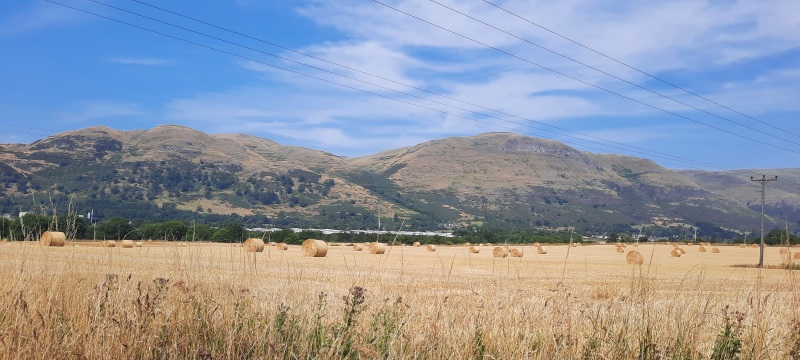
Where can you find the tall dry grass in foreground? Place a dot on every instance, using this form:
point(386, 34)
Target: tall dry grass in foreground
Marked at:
point(213, 301)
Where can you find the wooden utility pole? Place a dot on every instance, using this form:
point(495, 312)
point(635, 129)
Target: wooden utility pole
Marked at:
point(763, 182)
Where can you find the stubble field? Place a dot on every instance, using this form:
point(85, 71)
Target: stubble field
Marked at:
point(211, 301)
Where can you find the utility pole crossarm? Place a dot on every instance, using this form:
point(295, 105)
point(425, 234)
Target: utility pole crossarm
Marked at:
point(763, 182)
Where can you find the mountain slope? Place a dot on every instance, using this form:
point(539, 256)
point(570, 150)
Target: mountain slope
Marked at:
point(500, 178)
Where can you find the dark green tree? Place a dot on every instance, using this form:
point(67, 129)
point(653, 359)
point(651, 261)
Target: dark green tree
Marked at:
point(114, 229)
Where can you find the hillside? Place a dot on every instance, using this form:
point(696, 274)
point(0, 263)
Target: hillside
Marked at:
point(500, 178)
point(782, 200)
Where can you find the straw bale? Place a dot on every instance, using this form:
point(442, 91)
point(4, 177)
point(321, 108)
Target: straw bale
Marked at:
point(53, 238)
point(254, 245)
point(281, 246)
point(715, 250)
point(499, 252)
point(417, 244)
point(126, 244)
point(620, 249)
point(315, 248)
point(676, 253)
point(634, 257)
point(515, 252)
point(109, 243)
point(541, 250)
point(702, 248)
point(431, 247)
point(358, 247)
point(474, 250)
point(377, 248)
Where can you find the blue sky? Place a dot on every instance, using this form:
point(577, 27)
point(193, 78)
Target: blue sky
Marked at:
point(62, 70)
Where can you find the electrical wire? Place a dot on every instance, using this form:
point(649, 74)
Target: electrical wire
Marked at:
point(637, 69)
point(669, 158)
point(581, 136)
point(586, 82)
point(274, 65)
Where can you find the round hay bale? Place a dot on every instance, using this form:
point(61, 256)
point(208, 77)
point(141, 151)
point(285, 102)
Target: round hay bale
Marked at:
point(754, 245)
point(417, 244)
point(682, 250)
point(741, 246)
point(715, 250)
point(139, 244)
point(281, 246)
point(315, 248)
point(109, 243)
point(358, 247)
point(784, 251)
point(537, 244)
point(702, 248)
point(688, 244)
point(126, 244)
point(377, 248)
point(634, 257)
point(515, 253)
point(541, 250)
point(53, 238)
point(254, 245)
point(431, 247)
point(620, 249)
point(797, 255)
point(499, 252)
point(474, 250)
point(676, 253)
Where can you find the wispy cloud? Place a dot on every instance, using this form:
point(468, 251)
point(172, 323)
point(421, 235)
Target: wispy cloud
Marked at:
point(38, 16)
point(141, 61)
point(102, 110)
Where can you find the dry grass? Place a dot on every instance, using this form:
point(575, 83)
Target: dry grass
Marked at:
point(204, 301)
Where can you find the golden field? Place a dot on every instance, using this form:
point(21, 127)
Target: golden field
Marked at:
point(215, 301)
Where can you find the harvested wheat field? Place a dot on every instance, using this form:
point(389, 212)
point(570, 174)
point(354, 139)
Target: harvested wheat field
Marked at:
point(223, 302)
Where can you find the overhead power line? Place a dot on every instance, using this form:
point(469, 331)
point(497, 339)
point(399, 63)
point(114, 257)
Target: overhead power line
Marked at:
point(636, 69)
point(581, 136)
point(326, 80)
point(289, 70)
point(641, 150)
point(612, 75)
point(586, 82)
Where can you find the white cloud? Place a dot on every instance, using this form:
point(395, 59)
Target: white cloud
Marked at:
point(99, 110)
point(40, 15)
